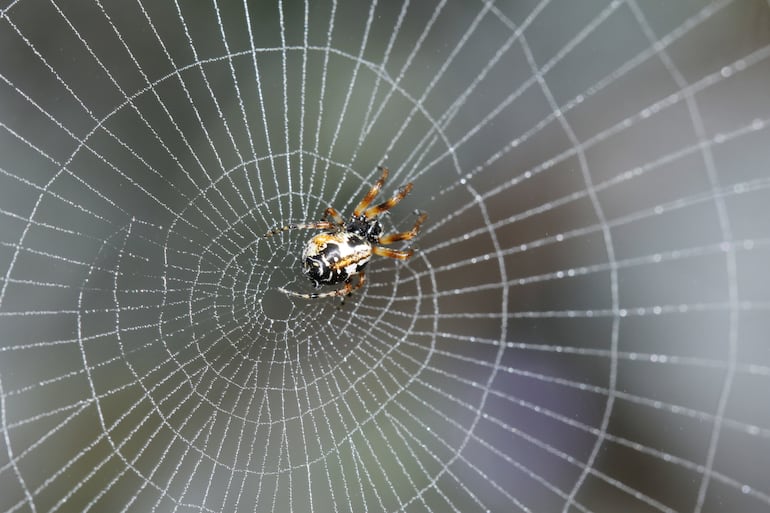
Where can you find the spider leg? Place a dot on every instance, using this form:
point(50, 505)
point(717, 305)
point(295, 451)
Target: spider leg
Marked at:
point(344, 291)
point(314, 225)
point(394, 237)
point(387, 205)
point(336, 217)
point(372, 192)
point(361, 281)
point(392, 253)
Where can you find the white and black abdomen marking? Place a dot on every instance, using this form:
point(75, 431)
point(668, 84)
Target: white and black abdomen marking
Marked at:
point(331, 258)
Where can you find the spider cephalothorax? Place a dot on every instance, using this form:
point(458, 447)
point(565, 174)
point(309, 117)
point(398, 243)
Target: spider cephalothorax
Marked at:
point(369, 229)
point(343, 249)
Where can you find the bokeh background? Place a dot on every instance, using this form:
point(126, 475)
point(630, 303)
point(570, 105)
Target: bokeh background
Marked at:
point(583, 326)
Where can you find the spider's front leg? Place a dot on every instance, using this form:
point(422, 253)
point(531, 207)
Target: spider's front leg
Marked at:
point(393, 253)
point(390, 203)
point(373, 192)
point(411, 234)
point(336, 216)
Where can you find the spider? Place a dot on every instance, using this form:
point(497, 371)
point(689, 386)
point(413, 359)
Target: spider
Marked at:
point(343, 249)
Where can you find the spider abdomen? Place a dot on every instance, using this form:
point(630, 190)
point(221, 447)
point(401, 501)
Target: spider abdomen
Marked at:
point(331, 258)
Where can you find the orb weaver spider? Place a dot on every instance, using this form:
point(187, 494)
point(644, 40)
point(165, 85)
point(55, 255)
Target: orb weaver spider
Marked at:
point(343, 249)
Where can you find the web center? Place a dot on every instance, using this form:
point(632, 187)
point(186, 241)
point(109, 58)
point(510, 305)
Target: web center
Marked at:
point(275, 304)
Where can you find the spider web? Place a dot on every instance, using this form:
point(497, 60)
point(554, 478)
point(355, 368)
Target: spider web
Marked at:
point(583, 326)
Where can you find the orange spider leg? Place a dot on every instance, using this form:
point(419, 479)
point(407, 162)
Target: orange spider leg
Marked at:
point(372, 192)
point(392, 253)
point(387, 205)
point(361, 281)
point(395, 237)
point(336, 217)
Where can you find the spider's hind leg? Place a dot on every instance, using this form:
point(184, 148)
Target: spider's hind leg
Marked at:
point(344, 291)
point(361, 281)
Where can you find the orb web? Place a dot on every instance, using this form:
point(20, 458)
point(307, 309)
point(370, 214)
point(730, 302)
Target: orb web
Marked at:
point(581, 327)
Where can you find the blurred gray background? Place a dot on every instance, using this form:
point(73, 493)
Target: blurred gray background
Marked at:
point(583, 326)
